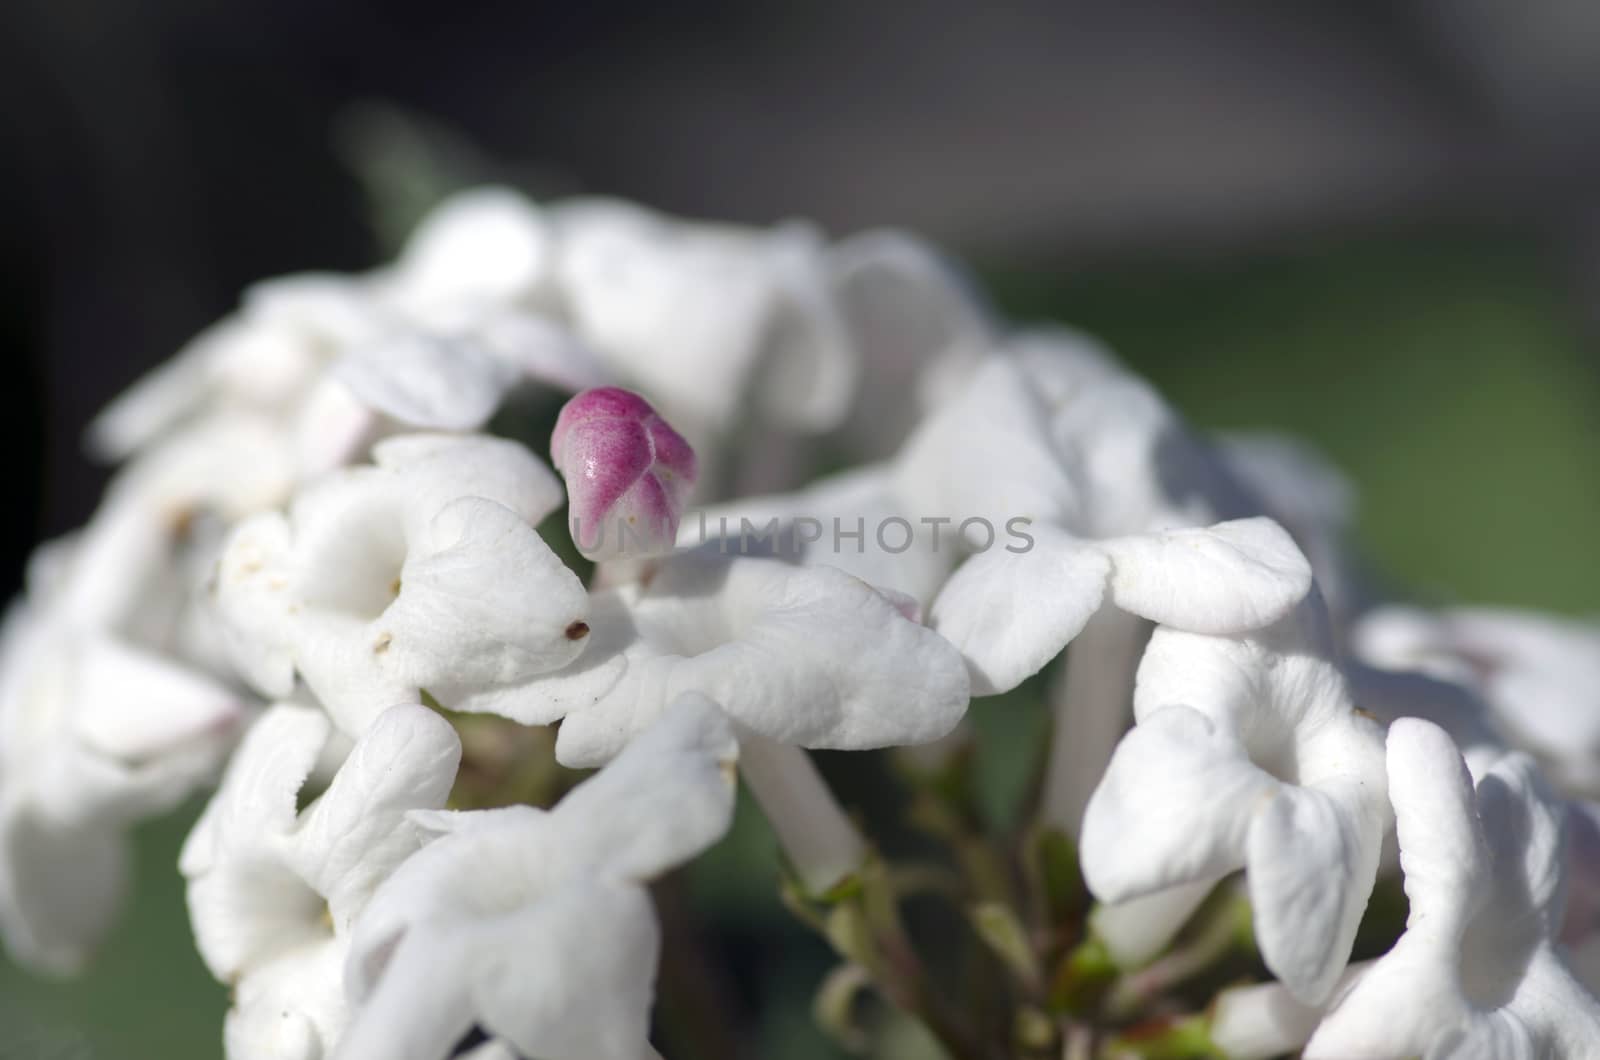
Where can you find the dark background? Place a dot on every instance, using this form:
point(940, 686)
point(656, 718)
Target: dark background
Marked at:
point(1374, 224)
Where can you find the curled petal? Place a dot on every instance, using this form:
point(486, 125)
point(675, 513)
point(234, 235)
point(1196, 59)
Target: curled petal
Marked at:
point(1226, 578)
point(1175, 806)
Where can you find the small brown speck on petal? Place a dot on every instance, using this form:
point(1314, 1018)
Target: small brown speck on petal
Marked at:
point(577, 631)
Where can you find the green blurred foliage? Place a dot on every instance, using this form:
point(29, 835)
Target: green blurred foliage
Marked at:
point(1444, 373)
point(147, 995)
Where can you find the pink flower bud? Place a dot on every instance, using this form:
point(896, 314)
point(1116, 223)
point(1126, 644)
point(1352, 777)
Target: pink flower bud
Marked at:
point(628, 473)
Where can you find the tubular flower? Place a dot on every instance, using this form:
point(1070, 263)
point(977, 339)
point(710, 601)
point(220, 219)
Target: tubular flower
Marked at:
point(536, 925)
point(1111, 522)
point(1476, 972)
point(802, 656)
point(274, 891)
point(1248, 753)
point(421, 572)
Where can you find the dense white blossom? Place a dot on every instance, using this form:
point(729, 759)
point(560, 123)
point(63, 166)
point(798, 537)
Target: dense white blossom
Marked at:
point(903, 502)
point(1477, 972)
point(1248, 753)
point(274, 891)
point(806, 656)
point(421, 572)
point(536, 925)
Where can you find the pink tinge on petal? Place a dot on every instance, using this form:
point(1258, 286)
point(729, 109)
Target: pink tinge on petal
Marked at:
point(628, 473)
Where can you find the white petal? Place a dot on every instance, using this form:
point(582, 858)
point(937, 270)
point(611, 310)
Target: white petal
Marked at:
point(569, 977)
point(1010, 613)
point(809, 362)
point(1392, 694)
point(678, 310)
point(1175, 806)
point(612, 648)
point(541, 351)
point(253, 599)
point(1412, 995)
point(806, 656)
point(347, 668)
point(1495, 1036)
point(244, 904)
point(422, 380)
point(573, 977)
point(438, 468)
point(330, 309)
point(137, 706)
point(1443, 851)
point(331, 428)
point(665, 798)
point(1302, 490)
point(419, 1003)
point(1281, 678)
point(1225, 578)
point(485, 244)
point(987, 455)
point(1563, 1015)
point(1523, 823)
point(357, 831)
point(1313, 856)
point(1404, 1002)
point(291, 1009)
point(485, 604)
point(905, 555)
point(479, 861)
point(906, 308)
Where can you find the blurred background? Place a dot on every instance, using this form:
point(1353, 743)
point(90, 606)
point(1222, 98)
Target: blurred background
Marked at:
point(1376, 225)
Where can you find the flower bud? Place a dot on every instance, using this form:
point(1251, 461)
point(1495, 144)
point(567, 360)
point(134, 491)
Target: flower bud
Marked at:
point(628, 473)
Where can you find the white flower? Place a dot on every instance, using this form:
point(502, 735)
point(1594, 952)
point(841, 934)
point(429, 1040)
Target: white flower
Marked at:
point(704, 318)
point(274, 892)
point(919, 325)
point(537, 925)
point(471, 315)
point(265, 361)
point(802, 657)
point(438, 340)
point(1476, 973)
point(1539, 674)
point(1012, 612)
point(1248, 753)
point(94, 736)
point(805, 656)
point(1054, 436)
point(422, 572)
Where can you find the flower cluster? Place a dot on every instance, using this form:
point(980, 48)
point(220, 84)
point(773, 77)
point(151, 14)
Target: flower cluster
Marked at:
point(332, 583)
